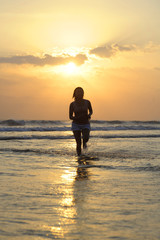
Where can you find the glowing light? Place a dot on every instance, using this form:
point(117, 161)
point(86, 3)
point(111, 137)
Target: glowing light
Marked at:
point(72, 65)
point(71, 68)
point(57, 231)
point(68, 176)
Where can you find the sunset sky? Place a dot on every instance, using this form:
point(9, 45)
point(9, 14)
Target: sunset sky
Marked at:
point(111, 48)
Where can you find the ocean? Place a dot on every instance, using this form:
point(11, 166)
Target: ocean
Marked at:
point(46, 192)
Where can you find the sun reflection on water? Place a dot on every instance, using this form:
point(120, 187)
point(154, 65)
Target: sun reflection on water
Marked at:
point(58, 231)
point(68, 176)
point(66, 210)
point(70, 202)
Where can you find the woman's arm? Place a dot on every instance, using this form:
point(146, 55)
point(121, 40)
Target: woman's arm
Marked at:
point(90, 109)
point(71, 112)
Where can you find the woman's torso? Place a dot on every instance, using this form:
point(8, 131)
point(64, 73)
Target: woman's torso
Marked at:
point(80, 109)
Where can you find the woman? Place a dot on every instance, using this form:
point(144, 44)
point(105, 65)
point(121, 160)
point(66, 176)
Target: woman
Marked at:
point(80, 112)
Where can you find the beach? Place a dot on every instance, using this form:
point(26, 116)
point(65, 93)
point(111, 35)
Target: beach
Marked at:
point(47, 193)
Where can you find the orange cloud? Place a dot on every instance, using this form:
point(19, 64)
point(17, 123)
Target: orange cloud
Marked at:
point(46, 60)
point(110, 50)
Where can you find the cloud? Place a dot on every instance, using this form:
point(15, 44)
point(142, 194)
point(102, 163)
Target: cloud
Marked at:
point(126, 47)
point(80, 59)
point(157, 68)
point(47, 59)
point(110, 50)
point(103, 52)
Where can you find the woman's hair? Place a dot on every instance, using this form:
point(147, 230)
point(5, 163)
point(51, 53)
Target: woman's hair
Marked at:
point(78, 93)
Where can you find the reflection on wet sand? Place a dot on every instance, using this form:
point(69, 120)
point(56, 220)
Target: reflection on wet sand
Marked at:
point(82, 171)
point(81, 188)
point(72, 205)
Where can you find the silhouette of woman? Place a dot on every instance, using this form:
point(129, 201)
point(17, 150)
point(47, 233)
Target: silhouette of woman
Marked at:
point(80, 112)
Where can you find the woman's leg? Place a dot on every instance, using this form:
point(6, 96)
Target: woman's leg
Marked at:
point(85, 133)
point(77, 135)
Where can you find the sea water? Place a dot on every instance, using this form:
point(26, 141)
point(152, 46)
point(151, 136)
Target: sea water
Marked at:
point(46, 192)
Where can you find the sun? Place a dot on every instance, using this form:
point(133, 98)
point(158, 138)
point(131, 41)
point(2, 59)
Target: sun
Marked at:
point(72, 64)
point(70, 68)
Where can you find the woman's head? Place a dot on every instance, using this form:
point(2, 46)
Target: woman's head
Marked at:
point(78, 93)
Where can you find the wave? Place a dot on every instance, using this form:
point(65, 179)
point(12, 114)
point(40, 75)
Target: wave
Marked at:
point(11, 122)
point(146, 122)
point(124, 122)
point(55, 122)
point(125, 127)
point(68, 128)
point(34, 129)
point(94, 160)
point(131, 136)
point(137, 169)
point(14, 122)
point(50, 137)
point(108, 122)
point(34, 137)
point(35, 151)
point(11, 125)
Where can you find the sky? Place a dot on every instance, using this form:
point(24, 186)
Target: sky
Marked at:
point(111, 48)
